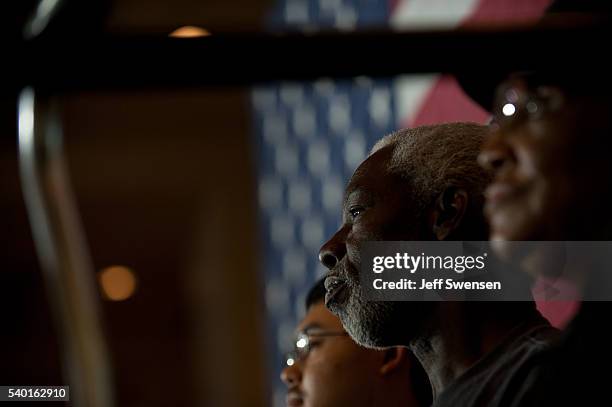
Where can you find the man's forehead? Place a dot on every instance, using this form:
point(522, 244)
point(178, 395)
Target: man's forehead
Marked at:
point(370, 171)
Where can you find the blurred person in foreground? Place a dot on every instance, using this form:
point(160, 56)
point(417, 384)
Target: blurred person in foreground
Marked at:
point(327, 368)
point(424, 184)
point(549, 150)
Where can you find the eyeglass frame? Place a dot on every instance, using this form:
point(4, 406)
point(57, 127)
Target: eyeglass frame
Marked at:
point(525, 101)
point(300, 353)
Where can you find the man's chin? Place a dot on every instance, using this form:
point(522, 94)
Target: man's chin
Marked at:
point(363, 338)
point(503, 227)
point(371, 324)
point(368, 323)
point(501, 245)
point(544, 259)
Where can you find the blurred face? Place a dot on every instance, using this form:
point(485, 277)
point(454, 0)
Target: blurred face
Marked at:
point(378, 206)
point(539, 163)
point(335, 371)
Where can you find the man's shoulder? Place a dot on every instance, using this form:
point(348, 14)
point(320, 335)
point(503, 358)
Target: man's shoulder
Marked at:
point(524, 347)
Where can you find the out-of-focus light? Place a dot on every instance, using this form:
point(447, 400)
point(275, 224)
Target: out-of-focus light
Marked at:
point(26, 118)
point(301, 343)
point(44, 12)
point(118, 283)
point(512, 95)
point(189, 31)
point(508, 109)
point(290, 362)
point(532, 107)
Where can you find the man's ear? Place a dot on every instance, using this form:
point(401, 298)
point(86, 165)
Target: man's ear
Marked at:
point(393, 359)
point(449, 209)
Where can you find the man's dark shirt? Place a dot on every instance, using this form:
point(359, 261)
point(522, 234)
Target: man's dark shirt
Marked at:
point(576, 371)
point(496, 378)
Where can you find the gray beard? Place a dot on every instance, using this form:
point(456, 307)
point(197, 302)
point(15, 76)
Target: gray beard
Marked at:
point(381, 324)
point(378, 324)
point(371, 324)
point(366, 322)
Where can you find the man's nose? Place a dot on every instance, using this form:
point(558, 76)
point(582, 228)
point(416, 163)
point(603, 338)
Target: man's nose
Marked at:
point(495, 152)
point(333, 250)
point(291, 375)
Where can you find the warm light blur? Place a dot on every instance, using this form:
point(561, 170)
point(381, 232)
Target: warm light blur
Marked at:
point(117, 282)
point(189, 31)
point(508, 109)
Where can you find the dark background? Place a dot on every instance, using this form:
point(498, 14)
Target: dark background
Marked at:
point(164, 181)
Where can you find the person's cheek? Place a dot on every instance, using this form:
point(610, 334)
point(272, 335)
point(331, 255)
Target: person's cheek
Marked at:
point(354, 240)
point(318, 383)
point(370, 226)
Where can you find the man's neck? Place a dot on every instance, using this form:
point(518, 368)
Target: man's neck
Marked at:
point(458, 338)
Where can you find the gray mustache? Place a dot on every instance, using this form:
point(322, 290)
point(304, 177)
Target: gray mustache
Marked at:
point(343, 271)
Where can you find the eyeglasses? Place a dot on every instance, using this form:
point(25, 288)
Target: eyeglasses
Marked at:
point(303, 345)
point(516, 102)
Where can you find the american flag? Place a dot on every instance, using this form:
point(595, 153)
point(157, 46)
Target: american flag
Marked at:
point(311, 136)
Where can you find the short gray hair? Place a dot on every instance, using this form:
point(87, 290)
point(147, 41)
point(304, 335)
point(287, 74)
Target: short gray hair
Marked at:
point(433, 158)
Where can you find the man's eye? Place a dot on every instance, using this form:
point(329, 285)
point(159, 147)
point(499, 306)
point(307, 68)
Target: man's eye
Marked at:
point(355, 211)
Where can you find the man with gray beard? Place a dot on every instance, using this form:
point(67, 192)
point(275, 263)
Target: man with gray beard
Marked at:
point(425, 184)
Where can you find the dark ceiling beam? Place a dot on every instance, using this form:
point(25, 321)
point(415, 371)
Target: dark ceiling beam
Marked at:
point(69, 62)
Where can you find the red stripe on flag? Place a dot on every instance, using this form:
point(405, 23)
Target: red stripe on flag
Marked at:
point(446, 102)
point(507, 11)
